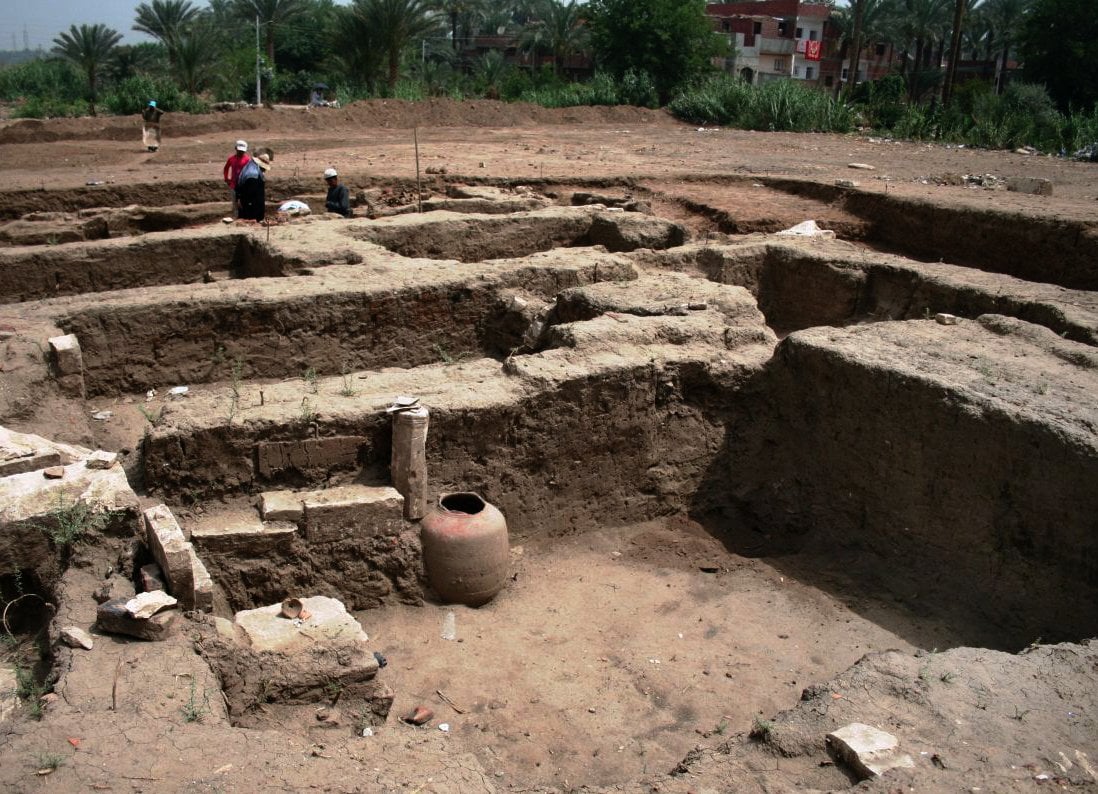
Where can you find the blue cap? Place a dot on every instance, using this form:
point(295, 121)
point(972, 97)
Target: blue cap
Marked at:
point(152, 103)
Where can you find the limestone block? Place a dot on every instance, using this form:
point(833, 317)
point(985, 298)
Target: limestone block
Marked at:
point(358, 511)
point(66, 355)
point(868, 751)
point(281, 506)
point(265, 629)
point(243, 535)
point(171, 552)
point(76, 638)
point(1028, 184)
point(409, 460)
point(113, 618)
point(145, 605)
point(101, 460)
point(203, 583)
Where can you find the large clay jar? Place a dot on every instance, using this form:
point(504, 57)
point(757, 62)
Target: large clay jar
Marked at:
point(465, 549)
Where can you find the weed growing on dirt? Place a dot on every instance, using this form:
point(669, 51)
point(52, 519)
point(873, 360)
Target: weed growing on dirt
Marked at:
point(722, 728)
point(348, 387)
point(68, 523)
point(947, 677)
point(29, 691)
point(442, 354)
point(192, 710)
point(333, 689)
point(761, 729)
point(312, 381)
point(308, 413)
point(50, 761)
point(152, 417)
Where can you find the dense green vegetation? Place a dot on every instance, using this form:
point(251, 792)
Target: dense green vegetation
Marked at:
point(644, 52)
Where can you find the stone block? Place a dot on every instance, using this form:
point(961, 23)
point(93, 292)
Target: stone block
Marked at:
point(357, 511)
point(112, 617)
point(265, 629)
point(281, 506)
point(310, 454)
point(67, 357)
point(1034, 186)
point(203, 584)
point(869, 752)
point(145, 605)
point(152, 578)
point(76, 638)
point(101, 460)
point(240, 534)
point(171, 551)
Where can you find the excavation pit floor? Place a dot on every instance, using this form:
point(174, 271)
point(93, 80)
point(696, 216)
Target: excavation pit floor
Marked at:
point(614, 653)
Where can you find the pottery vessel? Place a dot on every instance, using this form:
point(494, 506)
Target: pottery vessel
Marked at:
point(465, 549)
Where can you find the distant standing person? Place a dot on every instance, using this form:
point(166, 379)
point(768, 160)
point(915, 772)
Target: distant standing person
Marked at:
point(150, 126)
point(237, 160)
point(339, 198)
point(251, 187)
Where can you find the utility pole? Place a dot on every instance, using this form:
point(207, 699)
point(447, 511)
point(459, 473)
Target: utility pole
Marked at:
point(258, 89)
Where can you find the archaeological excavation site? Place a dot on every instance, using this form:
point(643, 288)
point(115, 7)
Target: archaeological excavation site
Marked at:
point(631, 478)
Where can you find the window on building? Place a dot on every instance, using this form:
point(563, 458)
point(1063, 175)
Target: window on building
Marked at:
point(757, 28)
point(726, 26)
point(812, 35)
point(846, 72)
point(799, 34)
point(796, 71)
point(778, 65)
point(881, 49)
point(783, 27)
point(809, 72)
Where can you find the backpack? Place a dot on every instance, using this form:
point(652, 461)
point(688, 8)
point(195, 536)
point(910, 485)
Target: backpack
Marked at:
point(249, 171)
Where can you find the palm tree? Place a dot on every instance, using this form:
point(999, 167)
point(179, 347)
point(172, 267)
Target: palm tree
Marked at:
point(878, 25)
point(165, 20)
point(923, 23)
point(461, 13)
point(272, 14)
point(89, 47)
point(393, 25)
point(1005, 18)
point(557, 29)
point(196, 58)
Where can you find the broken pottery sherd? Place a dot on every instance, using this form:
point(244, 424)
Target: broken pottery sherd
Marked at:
point(145, 605)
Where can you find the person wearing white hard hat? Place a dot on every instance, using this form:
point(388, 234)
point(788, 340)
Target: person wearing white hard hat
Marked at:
point(339, 198)
point(231, 173)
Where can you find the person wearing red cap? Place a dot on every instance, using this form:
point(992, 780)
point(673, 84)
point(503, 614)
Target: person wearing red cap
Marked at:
point(231, 173)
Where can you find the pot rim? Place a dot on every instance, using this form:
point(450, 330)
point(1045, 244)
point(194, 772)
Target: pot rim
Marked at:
point(443, 508)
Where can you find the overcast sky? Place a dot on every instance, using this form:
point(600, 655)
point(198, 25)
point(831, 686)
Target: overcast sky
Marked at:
point(44, 19)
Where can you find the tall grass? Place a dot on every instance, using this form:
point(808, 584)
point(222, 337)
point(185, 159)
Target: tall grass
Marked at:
point(778, 105)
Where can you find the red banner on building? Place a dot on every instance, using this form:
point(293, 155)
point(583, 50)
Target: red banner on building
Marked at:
point(812, 51)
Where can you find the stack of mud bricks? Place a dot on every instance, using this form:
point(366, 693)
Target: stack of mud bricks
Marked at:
point(188, 579)
point(68, 364)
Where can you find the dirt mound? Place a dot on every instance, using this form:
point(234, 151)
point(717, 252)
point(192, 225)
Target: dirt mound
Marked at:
point(376, 113)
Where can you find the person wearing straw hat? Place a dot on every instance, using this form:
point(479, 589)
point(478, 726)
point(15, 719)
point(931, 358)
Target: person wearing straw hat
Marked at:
point(251, 187)
point(150, 126)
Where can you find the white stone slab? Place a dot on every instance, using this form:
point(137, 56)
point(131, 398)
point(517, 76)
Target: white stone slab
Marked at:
point(870, 752)
point(265, 629)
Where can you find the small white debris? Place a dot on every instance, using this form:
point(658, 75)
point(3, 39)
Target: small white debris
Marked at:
point(845, 183)
point(444, 727)
point(102, 416)
point(862, 166)
point(807, 229)
point(946, 319)
point(150, 395)
point(449, 626)
point(367, 731)
point(178, 391)
point(145, 605)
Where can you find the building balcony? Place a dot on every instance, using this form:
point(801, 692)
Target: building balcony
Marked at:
point(776, 46)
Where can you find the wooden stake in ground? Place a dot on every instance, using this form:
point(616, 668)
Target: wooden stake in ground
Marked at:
point(409, 460)
point(419, 190)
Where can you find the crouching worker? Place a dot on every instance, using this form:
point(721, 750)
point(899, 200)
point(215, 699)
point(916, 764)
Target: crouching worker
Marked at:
point(339, 198)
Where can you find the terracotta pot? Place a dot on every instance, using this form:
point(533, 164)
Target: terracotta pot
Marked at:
point(465, 549)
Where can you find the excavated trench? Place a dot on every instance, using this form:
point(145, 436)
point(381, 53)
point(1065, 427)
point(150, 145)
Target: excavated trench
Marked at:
point(619, 390)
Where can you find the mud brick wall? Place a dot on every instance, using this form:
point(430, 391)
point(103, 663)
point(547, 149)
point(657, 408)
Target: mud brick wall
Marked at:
point(987, 507)
point(134, 348)
point(599, 450)
point(111, 265)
